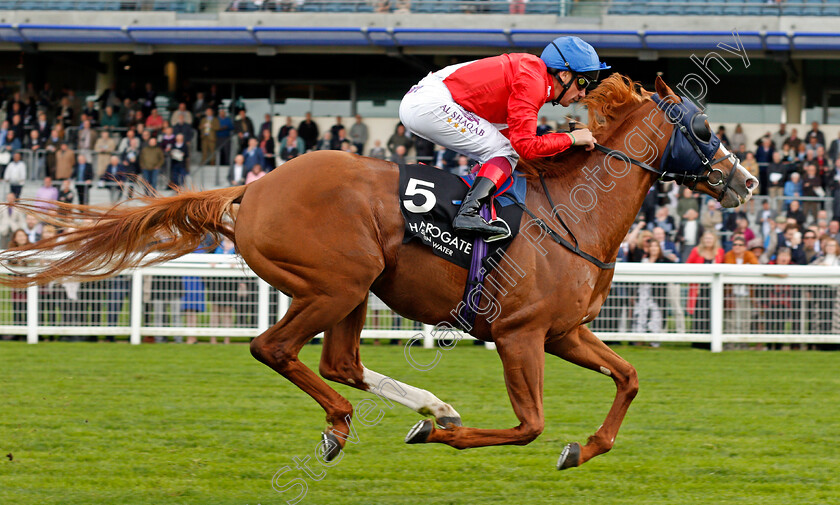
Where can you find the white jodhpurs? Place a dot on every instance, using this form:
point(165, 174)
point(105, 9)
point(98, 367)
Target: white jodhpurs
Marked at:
point(428, 110)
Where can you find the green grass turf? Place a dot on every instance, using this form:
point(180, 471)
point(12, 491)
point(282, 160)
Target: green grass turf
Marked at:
point(167, 424)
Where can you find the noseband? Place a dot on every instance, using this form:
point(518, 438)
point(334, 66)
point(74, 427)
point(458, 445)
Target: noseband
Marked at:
point(711, 175)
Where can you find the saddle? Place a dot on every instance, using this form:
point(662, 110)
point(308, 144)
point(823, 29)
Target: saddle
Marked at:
point(429, 199)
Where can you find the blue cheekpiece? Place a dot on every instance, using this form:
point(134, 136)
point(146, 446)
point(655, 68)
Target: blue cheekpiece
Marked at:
point(572, 53)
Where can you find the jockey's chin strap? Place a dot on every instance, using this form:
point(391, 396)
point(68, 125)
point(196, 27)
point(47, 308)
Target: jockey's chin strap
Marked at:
point(565, 85)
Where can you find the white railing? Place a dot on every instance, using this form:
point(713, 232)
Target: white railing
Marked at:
point(720, 304)
point(203, 295)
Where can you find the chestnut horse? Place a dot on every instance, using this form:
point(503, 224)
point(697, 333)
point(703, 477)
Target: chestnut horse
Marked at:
point(326, 229)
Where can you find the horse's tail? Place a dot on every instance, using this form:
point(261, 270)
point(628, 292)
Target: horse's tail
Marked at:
point(102, 241)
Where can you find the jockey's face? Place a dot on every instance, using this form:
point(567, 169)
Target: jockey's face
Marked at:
point(574, 94)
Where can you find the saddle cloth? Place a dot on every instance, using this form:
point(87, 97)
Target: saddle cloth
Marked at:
point(429, 199)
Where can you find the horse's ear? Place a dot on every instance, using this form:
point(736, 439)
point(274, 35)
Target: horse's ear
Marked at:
point(664, 91)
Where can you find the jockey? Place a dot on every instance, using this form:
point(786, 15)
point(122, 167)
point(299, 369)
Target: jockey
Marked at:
point(465, 107)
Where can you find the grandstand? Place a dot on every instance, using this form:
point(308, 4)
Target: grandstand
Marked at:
point(790, 45)
point(326, 56)
point(561, 7)
point(293, 56)
point(754, 64)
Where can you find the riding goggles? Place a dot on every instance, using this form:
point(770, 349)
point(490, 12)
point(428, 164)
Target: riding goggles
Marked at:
point(583, 79)
point(586, 79)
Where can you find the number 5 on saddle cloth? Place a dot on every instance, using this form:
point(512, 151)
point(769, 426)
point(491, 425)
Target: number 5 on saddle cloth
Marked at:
point(429, 200)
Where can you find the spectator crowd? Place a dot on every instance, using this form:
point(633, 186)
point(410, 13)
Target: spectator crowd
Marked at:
point(791, 222)
point(119, 141)
point(123, 142)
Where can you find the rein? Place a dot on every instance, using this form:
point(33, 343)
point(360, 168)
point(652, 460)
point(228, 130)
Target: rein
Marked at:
point(682, 178)
point(559, 238)
point(711, 175)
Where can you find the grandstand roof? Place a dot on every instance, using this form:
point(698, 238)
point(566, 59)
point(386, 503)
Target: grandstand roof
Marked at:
point(405, 37)
point(415, 31)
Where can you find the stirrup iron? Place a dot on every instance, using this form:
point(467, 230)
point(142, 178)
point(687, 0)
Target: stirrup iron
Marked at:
point(498, 222)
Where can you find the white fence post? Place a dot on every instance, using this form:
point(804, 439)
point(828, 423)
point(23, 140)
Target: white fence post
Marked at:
point(32, 315)
point(428, 339)
point(262, 305)
point(136, 306)
point(716, 312)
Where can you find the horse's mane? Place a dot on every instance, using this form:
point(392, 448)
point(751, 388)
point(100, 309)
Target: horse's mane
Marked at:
point(605, 104)
point(610, 100)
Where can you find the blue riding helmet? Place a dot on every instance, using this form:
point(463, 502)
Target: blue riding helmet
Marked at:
point(574, 55)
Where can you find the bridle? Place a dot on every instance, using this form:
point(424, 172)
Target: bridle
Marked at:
point(692, 124)
point(694, 133)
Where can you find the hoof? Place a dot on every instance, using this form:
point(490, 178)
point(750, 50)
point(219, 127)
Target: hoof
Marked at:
point(445, 422)
point(332, 447)
point(570, 457)
point(419, 432)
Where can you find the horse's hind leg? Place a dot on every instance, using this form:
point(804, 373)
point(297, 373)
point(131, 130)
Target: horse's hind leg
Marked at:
point(340, 362)
point(583, 348)
point(278, 347)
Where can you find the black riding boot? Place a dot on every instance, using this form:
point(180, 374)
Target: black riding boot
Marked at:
point(468, 218)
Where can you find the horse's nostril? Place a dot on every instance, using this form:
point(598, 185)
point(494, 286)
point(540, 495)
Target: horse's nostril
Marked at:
point(751, 183)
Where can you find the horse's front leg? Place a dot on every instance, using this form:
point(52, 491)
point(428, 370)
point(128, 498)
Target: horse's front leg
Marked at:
point(523, 359)
point(583, 348)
